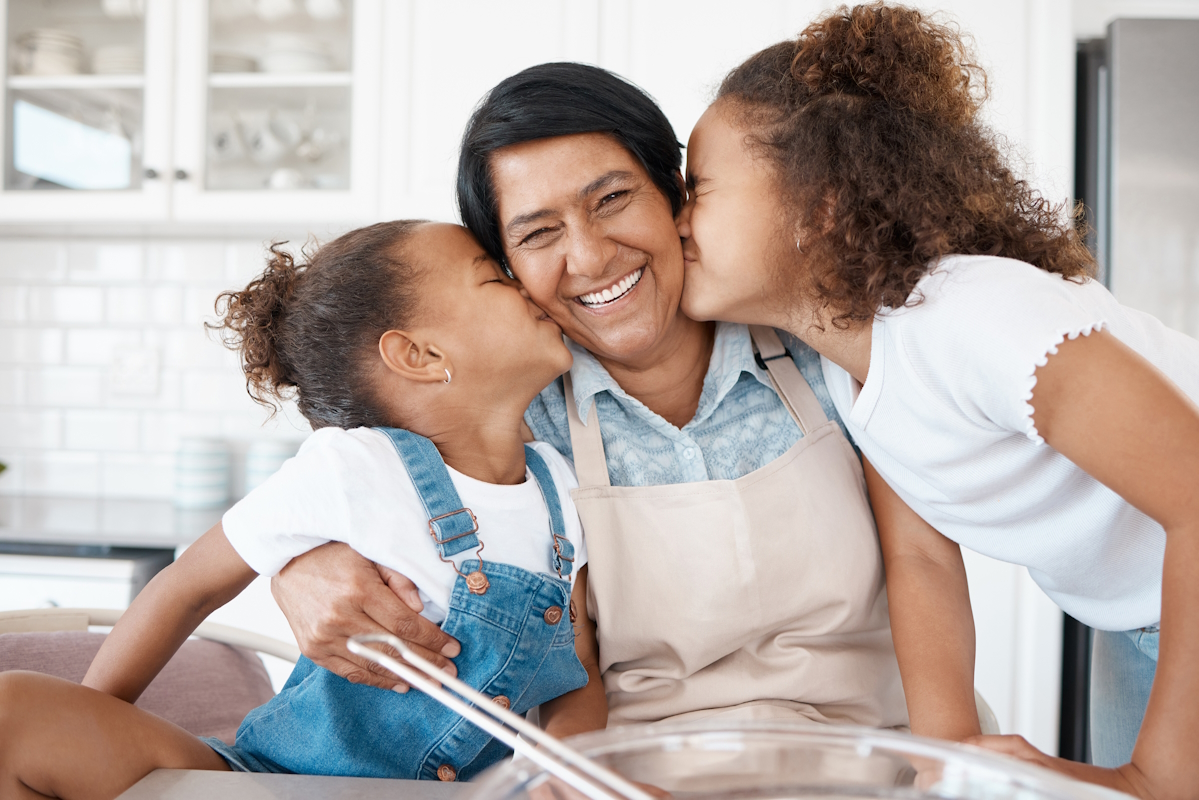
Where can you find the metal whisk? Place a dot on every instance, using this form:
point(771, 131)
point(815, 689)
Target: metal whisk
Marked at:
point(568, 765)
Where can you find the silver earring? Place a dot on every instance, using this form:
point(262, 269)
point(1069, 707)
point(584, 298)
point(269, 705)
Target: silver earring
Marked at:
point(799, 245)
point(507, 270)
point(448, 377)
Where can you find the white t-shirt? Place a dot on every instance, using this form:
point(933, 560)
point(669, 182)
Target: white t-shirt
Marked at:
point(945, 418)
point(351, 486)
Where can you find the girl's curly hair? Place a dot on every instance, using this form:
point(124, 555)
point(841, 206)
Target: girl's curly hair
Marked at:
point(311, 330)
point(870, 120)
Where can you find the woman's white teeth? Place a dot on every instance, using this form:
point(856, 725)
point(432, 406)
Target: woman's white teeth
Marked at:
point(612, 293)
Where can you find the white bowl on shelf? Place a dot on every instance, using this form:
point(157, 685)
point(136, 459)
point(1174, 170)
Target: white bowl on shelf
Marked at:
point(118, 59)
point(47, 51)
point(228, 61)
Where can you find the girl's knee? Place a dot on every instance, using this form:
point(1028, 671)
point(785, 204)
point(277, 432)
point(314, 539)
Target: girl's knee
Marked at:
point(23, 694)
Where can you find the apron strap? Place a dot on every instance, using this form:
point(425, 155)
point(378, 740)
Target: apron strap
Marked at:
point(788, 381)
point(591, 465)
point(452, 527)
point(564, 551)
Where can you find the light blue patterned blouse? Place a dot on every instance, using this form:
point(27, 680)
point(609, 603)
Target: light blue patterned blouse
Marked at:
point(740, 425)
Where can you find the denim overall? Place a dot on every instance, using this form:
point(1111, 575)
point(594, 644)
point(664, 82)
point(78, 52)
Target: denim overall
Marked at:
point(517, 647)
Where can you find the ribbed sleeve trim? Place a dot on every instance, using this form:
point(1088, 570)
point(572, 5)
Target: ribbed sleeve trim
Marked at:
point(1030, 427)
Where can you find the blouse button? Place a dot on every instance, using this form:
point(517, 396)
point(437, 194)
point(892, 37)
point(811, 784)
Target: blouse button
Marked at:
point(553, 615)
point(502, 702)
point(446, 773)
point(689, 453)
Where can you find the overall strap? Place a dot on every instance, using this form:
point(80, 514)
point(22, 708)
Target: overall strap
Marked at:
point(452, 526)
point(591, 465)
point(788, 381)
point(564, 551)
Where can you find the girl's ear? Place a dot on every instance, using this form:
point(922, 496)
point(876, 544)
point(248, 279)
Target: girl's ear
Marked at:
point(408, 357)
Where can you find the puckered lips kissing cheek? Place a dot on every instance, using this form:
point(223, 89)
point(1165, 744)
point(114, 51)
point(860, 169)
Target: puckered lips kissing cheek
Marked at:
point(610, 296)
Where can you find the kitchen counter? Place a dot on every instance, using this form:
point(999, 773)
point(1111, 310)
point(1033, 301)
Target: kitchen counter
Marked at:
point(180, 784)
point(101, 522)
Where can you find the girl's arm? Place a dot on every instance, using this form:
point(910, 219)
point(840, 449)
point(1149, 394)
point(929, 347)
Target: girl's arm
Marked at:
point(1117, 417)
point(931, 621)
point(586, 708)
point(209, 574)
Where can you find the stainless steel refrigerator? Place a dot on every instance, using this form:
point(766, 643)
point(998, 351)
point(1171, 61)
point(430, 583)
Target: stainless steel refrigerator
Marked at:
point(1137, 172)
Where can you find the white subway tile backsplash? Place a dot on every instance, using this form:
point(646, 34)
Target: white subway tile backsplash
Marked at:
point(245, 261)
point(12, 387)
point(96, 346)
point(32, 260)
point(165, 398)
point(185, 262)
point(14, 303)
point(30, 428)
point(214, 390)
point(12, 479)
point(24, 346)
point(137, 475)
point(73, 312)
point(62, 473)
point(64, 387)
point(101, 430)
point(66, 304)
point(199, 304)
point(103, 262)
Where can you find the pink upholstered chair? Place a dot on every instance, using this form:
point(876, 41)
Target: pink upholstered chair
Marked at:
point(206, 689)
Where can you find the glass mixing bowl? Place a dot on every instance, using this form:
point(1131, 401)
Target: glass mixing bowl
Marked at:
point(752, 760)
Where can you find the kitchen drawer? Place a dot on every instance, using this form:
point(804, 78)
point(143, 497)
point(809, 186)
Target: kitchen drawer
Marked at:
point(41, 576)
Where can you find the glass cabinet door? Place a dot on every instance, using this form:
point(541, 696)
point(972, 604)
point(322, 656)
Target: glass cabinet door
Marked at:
point(287, 122)
point(78, 137)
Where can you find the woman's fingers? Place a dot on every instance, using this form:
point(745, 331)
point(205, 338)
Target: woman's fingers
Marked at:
point(402, 587)
point(332, 593)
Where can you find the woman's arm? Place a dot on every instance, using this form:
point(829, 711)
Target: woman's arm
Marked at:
point(1117, 417)
point(332, 593)
point(931, 621)
point(586, 708)
point(209, 574)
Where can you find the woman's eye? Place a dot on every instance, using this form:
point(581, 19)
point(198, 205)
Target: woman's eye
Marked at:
point(608, 198)
point(534, 236)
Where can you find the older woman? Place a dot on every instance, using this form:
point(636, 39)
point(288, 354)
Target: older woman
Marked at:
point(734, 562)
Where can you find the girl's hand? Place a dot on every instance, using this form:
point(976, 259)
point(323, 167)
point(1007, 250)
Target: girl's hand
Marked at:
point(1127, 779)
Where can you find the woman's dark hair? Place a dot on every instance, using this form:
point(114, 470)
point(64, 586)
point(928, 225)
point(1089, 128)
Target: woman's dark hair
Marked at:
point(870, 119)
point(311, 330)
point(560, 99)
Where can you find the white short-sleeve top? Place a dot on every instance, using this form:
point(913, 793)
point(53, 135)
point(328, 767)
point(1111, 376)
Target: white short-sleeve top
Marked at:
point(351, 486)
point(944, 417)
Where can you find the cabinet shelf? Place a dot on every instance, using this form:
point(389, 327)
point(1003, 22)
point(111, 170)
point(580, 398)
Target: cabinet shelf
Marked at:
point(135, 81)
point(277, 80)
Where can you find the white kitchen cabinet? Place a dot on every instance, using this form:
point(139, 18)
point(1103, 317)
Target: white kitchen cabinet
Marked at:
point(232, 118)
point(53, 580)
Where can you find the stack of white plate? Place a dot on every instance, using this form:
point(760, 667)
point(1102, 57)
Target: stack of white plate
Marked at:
point(227, 61)
point(47, 51)
point(117, 59)
point(290, 52)
point(202, 474)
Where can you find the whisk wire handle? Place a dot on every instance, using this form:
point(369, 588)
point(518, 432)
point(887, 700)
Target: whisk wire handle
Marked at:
point(595, 781)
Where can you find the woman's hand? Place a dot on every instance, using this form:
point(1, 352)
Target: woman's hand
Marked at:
point(332, 593)
point(1127, 779)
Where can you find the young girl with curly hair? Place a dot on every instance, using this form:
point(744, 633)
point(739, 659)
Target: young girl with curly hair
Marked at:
point(414, 358)
point(843, 187)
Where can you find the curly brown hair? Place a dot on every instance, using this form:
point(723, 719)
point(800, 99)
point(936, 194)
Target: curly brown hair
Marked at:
point(311, 330)
point(870, 120)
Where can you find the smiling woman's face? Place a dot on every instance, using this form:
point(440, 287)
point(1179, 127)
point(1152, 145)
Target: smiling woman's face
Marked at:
point(592, 239)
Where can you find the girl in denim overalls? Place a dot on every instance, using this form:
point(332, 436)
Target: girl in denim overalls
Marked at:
point(414, 359)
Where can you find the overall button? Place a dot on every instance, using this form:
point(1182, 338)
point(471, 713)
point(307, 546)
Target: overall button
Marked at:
point(553, 615)
point(447, 774)
point(502, 702)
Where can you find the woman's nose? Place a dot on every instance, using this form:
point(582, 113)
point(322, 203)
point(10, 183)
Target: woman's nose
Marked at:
point(587, 254)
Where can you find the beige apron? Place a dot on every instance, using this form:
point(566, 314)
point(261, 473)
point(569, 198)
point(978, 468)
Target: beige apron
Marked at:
point(760, 597)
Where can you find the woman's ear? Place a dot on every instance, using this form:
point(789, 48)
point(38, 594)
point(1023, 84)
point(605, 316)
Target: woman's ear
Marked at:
point(408, 357)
